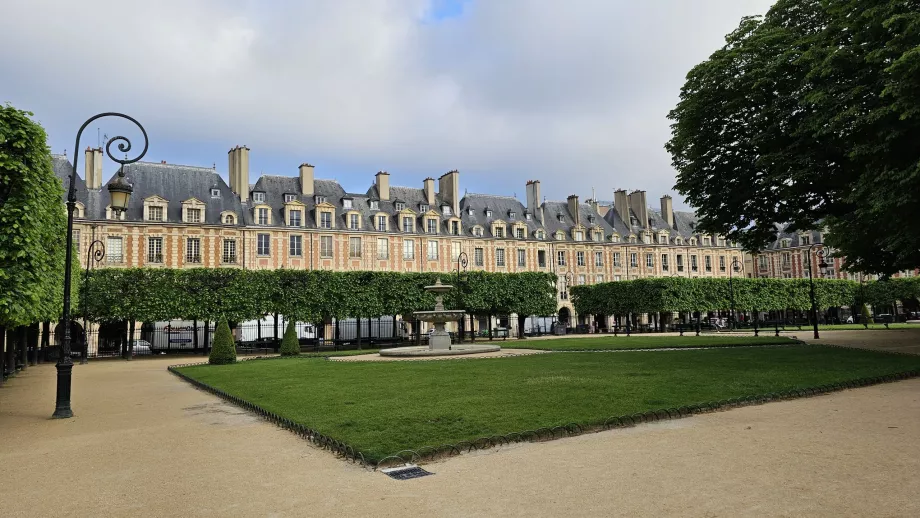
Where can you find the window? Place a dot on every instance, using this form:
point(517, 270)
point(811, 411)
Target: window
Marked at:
point(347, 203)
point(432, 250)
point(722, 263)
point(325, 220)
point(500, 257)
point(296, 246)
point(598, 258)
point(560, 218)
point(707, 241)
point(560, 235)
point(455, 228)
point(806, 240)
point(488, 213)
point(193, 250)
point(155, 250)
point(560, 258)
point(423, 207)
point(383, 248)
point(454, 251)
point(499, 232)
point(400, 205)
point(229, 219)
point(114, 250)
point(263, 216)
point(477, 257)
point(784, 243)
point(786, 260)
point(615, 238)
point(76, 240)
point(263, 244)
point(721, 241)
point(527, 216)
point(762, 261)
point(215, 193)
point(229, 255)
point(582, 279)
point(477, 231)
point(325, 246)
point(193, 215)
point(155, 213)
point(512, 215)
point(599, 278)
point(693, 265)
point(375, 205)
point(649, 260)
point(680, 262)
point(634, 260)
point(382, 223)
point(664, 262)
point(294, 219)
point(579, 236)
point(408, 249)
point(616, 260)
point(432, 226)
point(522, 257)
point(445, 209)
point(541, 258)
point(469, 211)
point(354, 247)
point(647, 239)
point(708, 263)
point(319, 199)
point(519, 233)
point(580, 258)
point(408, 224)
point(289, 198)
point(354, 221)
point(598, 236)
point(678, 241)
point(258, 197)
point(541, 234)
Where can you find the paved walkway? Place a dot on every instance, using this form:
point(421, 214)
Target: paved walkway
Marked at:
point(144, 443)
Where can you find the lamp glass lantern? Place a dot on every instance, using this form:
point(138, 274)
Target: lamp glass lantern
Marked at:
point(120, 192)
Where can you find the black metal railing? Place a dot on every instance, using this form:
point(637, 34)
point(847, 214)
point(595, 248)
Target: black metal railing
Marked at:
point(193, 258)
point(154, 258)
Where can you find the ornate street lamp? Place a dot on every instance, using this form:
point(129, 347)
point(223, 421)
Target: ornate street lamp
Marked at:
point(463, 262)
point(735, 266)
point(811, 281)
point(120, 192)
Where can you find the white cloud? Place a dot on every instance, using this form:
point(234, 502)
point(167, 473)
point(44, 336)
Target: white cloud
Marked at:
point(573, 93)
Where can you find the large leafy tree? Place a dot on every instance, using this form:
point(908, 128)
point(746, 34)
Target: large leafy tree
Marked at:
point(811, 116)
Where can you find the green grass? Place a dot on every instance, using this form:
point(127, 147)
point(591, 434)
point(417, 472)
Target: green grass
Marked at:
point(848, 327)
point(383, 407)
point(643, 342)
point(350, 352)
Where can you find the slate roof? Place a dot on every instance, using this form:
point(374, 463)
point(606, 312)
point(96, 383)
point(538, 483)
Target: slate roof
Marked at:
point(501, 207)
point(795, 238)
point(553, 210)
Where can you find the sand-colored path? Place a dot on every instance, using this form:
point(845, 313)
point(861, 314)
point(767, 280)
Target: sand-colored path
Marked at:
point(144, 443)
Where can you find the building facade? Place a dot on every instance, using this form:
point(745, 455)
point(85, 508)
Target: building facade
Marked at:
point(184, 217)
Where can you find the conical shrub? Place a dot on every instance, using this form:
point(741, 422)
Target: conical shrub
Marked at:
point(223, 350)
point(289, 344)
point(866, 318)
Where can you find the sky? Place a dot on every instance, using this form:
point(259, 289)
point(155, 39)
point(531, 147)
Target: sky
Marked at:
point(574, 94)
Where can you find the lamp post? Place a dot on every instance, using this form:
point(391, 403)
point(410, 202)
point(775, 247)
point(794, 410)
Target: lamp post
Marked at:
point(463, 262)
point(568, 280)
point(811, 282)
point(735, 266)
point(120, 193)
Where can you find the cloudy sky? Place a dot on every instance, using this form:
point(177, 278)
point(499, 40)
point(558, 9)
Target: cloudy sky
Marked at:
point(574, 93)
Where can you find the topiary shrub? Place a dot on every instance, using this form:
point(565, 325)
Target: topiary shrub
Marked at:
point(866, 319)
point(223, 350)
point(289, 344)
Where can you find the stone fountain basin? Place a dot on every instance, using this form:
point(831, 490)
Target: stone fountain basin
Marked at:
point(455, 350)
point(445, 315)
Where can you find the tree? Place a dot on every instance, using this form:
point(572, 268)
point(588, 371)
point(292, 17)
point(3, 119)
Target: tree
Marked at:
point(223, 351)
point(33, 225)
point(290, 346)
point(809, 116)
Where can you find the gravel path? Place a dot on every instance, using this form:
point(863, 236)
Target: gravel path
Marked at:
point(144, 443)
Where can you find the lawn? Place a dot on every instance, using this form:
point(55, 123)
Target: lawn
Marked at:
point(851, 327)
point(383, 407)
point(611, 342)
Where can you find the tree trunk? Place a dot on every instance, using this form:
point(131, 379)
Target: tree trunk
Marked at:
point(2, 354)
point(23, 347)
point(490, 328)
point(207, 335)
point(520, 326)
point(395, 339)
point(358, 331)
point(195, 335)
point(130, 340)
point(259, 329)
point(277, 344)
point(33, 343)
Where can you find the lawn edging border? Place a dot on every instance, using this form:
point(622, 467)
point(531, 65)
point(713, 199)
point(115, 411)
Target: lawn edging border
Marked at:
point(789, 342)
point(432, 453)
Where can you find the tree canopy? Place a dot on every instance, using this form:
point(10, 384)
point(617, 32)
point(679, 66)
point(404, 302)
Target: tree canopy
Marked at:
point(809, 116)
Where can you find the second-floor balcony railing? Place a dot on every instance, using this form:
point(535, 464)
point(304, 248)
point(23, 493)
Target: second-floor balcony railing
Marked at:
point(154, 258)
point(229, 259)
point(114, 259)
point(193, 258)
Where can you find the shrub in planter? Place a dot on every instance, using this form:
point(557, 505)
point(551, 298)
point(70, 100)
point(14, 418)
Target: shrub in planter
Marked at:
point(289, 344)
point(223, 350)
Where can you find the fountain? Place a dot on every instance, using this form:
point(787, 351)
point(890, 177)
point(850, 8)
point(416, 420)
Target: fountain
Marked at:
point(439, 343)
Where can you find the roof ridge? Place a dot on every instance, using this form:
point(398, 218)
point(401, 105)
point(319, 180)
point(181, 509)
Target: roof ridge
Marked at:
point(492, 195)
point(161, 164)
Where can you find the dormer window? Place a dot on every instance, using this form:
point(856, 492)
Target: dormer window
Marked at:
point(590, 219)
point(598, 236)
point(477, 231)
point(805, 240)
point(560, 217)
point(319, 199)
point(258, 197)
point(229, 219)
point(560, 235)
point(375, 205)
point(400, 205)
point(707, 241)
point(662, 239)
point(155, 214)
point(445, 209)
point(488, 213)
point(288, 198)
point(579, 236)
point(423, 207)
point(469, 211)
point(785, 243)
point(519, 232)
point(512, 215)
point(647, 239)
point(541, 234)
point(615, 238)
point(527, 216)
point(215, 193)
point(678, 241)
point(346, 203)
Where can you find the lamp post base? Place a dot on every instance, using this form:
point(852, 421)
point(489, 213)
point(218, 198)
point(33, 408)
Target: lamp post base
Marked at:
point(62, 408)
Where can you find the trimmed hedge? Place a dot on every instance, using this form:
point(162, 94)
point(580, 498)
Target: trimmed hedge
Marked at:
point(290, 346)
point(223, 350)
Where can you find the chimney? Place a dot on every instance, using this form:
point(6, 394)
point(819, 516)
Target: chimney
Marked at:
point(449, 189)
point(621, 205)
point(667, 210)
point(93, 168)
point(594, 206)
point(533, 199)
point(429, 190)
point(306, 179)
point(574, 208)
point(639, 207)
point(238, 161)
point(383, 185)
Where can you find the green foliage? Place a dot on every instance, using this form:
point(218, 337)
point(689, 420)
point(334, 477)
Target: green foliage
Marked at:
point(156, 294)
point(866, 317)
point(32, 224)
point(223, 350)
point(810, 115)
point(289, 344)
